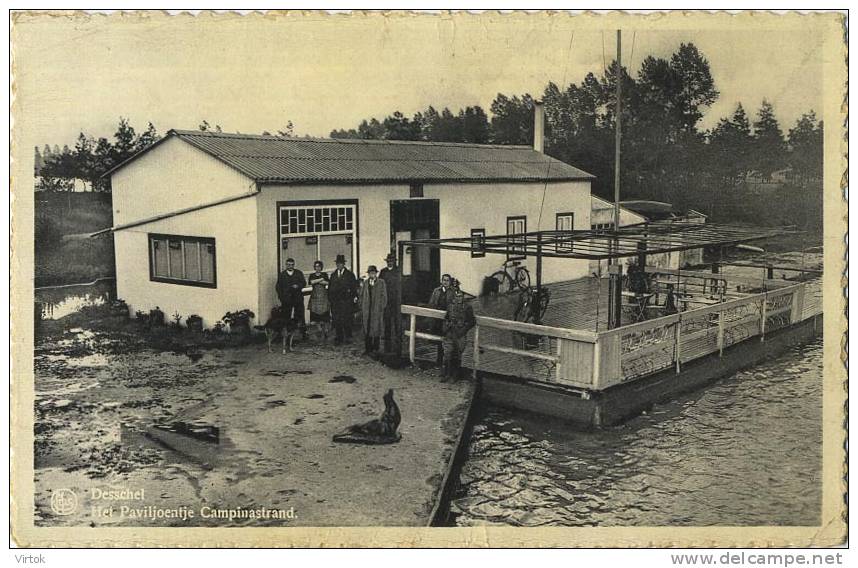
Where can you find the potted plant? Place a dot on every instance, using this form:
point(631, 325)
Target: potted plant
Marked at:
point(142, 317)
point(118, 308)
point(239, 322)
point(156, 317)
point(194, 323)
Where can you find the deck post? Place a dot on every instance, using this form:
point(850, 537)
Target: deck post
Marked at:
point(558, 368)
point(412, 338)
point(677, 336)
point(721, 333)
point(597, 356)
point(798, 304)
point(764, 313)
point(476, 349)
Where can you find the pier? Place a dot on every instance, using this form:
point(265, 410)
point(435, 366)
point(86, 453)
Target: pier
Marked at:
point(613, 352)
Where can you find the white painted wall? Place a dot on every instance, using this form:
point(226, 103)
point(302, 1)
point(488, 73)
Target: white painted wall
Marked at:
point(173, 176)
point(603, 212)
point(373, 226)
point(462, 207)
point(473, 206)
point(232, 225)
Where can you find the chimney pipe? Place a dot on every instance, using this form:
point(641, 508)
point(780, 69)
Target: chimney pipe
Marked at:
point(538, 126)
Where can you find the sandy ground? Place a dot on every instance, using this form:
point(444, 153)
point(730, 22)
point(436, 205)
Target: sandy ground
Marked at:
point(276, 415)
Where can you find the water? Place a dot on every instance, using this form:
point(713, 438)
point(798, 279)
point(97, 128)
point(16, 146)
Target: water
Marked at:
point(62, 301)
point(743, 451)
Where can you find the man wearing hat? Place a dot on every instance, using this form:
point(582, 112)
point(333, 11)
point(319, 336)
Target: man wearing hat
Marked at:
point(457, 323)
point(392, 278)
point(342, 294)
point(373, 301)
point(290, 291)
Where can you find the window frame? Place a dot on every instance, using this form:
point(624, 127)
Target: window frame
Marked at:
point(510, 255)
point(561, 247)
point(152, 237)
point(478, 248)
point(353, 233)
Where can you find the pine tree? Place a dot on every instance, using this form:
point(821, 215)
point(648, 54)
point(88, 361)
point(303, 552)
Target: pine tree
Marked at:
point(769, 150)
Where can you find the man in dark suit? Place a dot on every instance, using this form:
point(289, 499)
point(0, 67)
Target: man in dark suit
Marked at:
point(392, 277)
point(342, 294)
point(290, 291)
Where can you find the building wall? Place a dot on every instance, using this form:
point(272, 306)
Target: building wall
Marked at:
point(462, 207)
point(235, 258)
point(170, 177)
point(373, 226)
point(603, 212)
point(487, 206)
point(173, 175)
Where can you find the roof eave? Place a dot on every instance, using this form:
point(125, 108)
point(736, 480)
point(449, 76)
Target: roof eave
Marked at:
point(389, 181)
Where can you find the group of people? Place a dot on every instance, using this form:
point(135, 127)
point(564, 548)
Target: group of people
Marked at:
point(335, 297)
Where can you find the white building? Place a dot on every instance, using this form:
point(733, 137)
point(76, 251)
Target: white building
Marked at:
point(204, 221)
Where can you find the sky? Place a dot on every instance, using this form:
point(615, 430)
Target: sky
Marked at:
point(250, 74)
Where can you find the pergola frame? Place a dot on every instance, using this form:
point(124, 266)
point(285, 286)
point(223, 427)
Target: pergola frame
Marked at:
point(637, 240)
point(632, 240)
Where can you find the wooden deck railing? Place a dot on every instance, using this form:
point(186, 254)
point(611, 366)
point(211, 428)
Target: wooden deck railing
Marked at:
point(596, 361)
point(637, 350)
point(551, 354)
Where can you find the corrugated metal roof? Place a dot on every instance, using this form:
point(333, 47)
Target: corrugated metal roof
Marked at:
point(271, 159)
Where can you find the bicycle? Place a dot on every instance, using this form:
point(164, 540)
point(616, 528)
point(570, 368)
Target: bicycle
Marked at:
point(518, 278)
point(532, 305)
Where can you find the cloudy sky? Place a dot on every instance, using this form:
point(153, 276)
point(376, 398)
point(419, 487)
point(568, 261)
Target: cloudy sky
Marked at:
point(324, 72)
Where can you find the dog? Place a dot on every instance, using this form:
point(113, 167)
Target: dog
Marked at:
point(279, 325)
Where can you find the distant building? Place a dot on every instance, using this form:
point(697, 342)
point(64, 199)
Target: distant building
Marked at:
point(660, 211)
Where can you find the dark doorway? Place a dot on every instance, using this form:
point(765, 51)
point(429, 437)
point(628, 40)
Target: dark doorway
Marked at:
point(421, 266)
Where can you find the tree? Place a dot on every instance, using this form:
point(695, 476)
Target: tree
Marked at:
point(474, 125)
point(84, 165)
point(125, 141)
point(372, 130)
point(806, 148)
point(731, 144)
point(206, 127)
point(288, 131)
point(37, 162)
point(443, 126)
point(694, 85)
point(147, 138)
point(512, 119)
point(398, 127)
point(769, 150)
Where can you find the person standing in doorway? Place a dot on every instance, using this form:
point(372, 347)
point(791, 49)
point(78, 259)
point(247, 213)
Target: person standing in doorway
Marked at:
point(457, 323)
point(320, 307)
point(392, 278)
point(439, 300)
point(373, 301)
point(342, 294)
point(290, 291)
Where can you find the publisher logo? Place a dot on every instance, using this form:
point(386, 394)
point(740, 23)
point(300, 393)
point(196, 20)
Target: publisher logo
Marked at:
point(63, 501)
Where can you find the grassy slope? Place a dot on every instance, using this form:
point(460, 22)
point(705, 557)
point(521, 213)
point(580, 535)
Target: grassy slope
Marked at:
point(72, 259)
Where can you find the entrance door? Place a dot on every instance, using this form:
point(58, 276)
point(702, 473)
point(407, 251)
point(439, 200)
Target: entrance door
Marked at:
point(421, 266)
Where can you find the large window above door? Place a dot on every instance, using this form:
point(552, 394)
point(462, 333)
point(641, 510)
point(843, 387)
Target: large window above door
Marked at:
point(317, 231)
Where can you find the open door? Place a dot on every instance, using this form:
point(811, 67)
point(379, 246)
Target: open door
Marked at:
point(415, 219)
